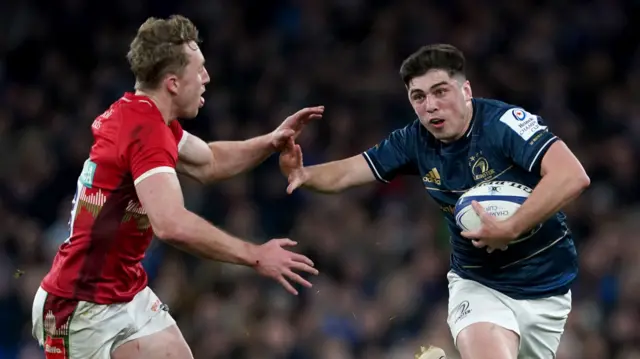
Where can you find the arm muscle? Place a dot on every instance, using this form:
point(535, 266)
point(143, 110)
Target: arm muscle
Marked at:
point(221, 159)
point(161, 197)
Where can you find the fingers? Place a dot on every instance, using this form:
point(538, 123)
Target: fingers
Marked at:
point(291, 145)
point(470, 234)
point(298, 153)
point(292, 187)
point(491, 249)
point(477, 207)
point(282, 137)
point(308, 113)
point(287, 285)
point(282, 242)
point(478, 244)
point(302, 263)
point(297, 278)
point(294, 183)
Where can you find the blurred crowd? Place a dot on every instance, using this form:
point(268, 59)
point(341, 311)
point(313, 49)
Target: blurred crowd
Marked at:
point(382, 250)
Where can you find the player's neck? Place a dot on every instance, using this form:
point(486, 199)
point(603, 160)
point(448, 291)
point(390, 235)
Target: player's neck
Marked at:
point(468, 116)
point(162, 102)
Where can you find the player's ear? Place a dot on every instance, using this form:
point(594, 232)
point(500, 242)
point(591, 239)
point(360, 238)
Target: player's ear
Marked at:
point(466, 91)
point(171, 83)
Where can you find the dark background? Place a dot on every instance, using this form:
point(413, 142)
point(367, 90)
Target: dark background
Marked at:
point(382, 250)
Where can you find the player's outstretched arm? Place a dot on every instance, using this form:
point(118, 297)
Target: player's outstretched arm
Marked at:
point(224, 159)
point(331, 177)
point(161, 197)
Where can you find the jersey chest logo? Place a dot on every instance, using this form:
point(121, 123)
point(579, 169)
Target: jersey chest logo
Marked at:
point(480, 168)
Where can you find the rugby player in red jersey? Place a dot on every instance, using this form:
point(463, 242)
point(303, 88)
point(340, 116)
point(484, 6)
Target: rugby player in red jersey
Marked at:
point(95, 303)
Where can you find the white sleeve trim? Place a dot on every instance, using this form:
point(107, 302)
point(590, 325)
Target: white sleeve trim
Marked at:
point(375, 170)
point(153, 171)
point(183, 140)
point(540, 151)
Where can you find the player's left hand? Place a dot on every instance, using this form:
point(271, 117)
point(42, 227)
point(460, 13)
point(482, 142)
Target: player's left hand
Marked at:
point(493, 234)
point(293, 125)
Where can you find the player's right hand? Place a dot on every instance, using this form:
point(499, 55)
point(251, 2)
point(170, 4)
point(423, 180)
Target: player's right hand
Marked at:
point(275, 262)
point(292, 167)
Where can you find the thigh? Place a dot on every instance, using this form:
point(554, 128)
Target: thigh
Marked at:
point(543, 322)
point(70, 329)
point(167, 343)
point(484, 340)
point(482, 325)
point(155, 333)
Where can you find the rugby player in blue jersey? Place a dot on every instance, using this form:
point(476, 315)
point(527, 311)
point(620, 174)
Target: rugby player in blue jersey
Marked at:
point(504, 302)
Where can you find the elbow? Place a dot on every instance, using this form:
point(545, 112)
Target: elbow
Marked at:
point(162, 232)
point(168, 229)
point(584, 182)
point(580, 182)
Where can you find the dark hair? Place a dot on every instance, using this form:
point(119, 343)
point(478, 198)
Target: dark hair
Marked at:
point(432, 57)
point(158, 49)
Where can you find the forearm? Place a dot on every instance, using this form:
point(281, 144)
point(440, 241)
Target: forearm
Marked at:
point(195, 235)
point(554, 191)
point(327, 177)
point(336, 176)
point(231, 158)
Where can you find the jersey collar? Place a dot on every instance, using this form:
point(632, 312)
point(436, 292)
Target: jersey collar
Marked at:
point(473, 119)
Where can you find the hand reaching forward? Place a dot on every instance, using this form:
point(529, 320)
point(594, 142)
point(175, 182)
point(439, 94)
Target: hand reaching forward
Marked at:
point(291, 127)
point(292, 167)
point(275, 262)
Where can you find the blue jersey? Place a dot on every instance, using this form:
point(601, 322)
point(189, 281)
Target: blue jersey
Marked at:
point(503, 142)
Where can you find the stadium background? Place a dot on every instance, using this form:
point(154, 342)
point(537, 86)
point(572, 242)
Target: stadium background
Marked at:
point(382, 250)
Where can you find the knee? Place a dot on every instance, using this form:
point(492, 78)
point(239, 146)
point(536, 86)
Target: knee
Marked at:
point(487, 341)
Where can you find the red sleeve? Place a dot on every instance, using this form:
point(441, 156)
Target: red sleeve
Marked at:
point(180, 134)
point(147, 148)
point(177, 130)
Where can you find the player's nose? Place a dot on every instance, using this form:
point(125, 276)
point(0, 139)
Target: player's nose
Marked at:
point(205, 77)
point(430, 105)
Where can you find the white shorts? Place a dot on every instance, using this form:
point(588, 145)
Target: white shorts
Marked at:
point(539, 322)
point(70, 329)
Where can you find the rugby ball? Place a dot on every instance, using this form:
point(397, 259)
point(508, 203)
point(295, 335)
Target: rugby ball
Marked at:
point(500, 199)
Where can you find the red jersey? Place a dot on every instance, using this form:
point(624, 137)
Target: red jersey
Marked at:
point(100, 262)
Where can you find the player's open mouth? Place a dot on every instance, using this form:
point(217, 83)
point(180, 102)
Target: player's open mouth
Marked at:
point(437, 122)
point(201, 101)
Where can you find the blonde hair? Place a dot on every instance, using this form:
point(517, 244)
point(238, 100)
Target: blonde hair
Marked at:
point(158, 49)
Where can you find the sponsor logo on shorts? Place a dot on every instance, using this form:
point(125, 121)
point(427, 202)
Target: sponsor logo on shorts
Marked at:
point(158, 305)
point(54, 348)
point(461, 311)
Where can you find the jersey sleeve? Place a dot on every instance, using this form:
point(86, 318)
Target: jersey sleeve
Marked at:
point(524, 138)
point(178, 133)
point(394, 155)
point(147, 149)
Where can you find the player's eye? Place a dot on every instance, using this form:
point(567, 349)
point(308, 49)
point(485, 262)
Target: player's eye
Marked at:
point(440, 92)
point(418, 97)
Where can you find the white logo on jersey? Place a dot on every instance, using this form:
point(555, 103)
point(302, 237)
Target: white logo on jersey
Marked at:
point(522, 122)
point(54, 350)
